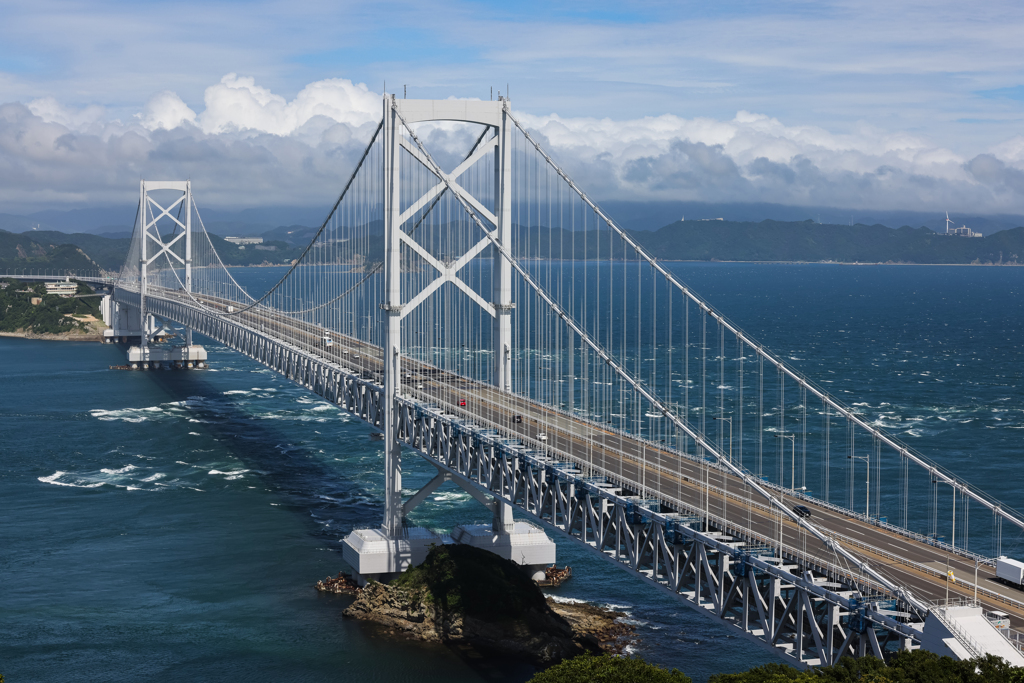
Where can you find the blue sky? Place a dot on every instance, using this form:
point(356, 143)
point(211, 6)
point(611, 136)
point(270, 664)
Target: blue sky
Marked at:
point(940, 82)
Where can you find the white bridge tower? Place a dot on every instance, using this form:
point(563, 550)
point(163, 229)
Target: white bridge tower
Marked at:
point(153, 248)
point(375, 553)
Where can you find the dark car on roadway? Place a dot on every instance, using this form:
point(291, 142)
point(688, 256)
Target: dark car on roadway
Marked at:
point(802, 510)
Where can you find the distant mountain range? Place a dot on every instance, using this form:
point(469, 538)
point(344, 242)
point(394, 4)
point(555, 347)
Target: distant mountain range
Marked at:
point(654, 215)
point(809, 241)
point(688, 240)
point(20, 252)
point(80, 251)
point(117, 221)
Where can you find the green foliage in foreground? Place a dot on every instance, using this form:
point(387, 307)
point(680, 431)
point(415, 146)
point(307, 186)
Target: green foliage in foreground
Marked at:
point(918, 666)
point(906, 667)
point(608, 669)
point(461, 578)
point(48, 317)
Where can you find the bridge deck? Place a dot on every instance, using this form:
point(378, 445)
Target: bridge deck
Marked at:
point(678, 480)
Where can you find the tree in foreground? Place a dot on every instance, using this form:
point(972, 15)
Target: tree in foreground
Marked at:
point(607, 669)
point(918, 666)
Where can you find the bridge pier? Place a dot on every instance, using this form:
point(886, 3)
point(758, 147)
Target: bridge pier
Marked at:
point(121, 324)
point(123, 327)
point(374, 554)
point(177, 357)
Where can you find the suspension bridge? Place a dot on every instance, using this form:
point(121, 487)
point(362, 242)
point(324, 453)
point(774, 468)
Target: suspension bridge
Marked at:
point(482, 313)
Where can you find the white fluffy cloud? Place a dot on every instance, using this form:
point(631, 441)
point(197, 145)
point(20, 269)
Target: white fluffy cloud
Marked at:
point(51, 111)
point(166, 111)
point(250, 147)
point(238, 104)
point(753, 157)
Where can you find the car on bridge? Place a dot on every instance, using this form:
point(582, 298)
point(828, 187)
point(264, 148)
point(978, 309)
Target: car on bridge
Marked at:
point(802, 510)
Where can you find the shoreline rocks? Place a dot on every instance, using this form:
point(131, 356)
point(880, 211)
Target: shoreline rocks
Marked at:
point(541, 636)
point(544, 636)
point(601, 627)
point(468, 597)
point(341, 584)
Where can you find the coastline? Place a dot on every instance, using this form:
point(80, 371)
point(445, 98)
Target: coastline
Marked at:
point(91, 337)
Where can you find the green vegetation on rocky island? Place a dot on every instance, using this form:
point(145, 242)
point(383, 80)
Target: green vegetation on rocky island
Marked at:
point(468, 596)
point(51, 315)
point(461, 578)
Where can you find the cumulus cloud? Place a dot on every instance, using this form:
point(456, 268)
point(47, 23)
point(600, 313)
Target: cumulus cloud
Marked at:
point(238, 104)
point(250, 147)
point(51, 111)
point(166, 111)
point(1011, 151)
point(756, 158)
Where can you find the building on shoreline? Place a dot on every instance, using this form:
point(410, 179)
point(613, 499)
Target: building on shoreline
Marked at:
point(65, 288)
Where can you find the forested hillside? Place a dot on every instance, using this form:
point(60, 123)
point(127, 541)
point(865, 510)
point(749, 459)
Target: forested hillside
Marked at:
point(108, 253)
point(683, 241)
point(24, 252)
point(809, 241)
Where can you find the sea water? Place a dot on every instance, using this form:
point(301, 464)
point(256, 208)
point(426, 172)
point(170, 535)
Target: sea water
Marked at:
point(159, 524)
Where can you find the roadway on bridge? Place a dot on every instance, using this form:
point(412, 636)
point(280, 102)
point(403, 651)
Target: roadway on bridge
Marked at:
point(647, 469)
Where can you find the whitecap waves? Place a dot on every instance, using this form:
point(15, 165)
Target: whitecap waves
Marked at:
point(60, 478)
point(229, 476)
point(123, 470)
point(233, 405)
point(127, 414)
point(563, 599)
point(179, 475)
point(449, 496)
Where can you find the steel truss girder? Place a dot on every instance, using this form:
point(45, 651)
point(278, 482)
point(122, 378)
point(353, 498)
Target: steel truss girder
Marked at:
point(812, 614)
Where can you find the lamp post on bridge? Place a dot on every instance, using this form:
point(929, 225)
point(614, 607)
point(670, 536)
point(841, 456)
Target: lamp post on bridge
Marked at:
point(724, 497)
point(729, 421)
point(782, 485)
point(867, 481)
point(792, 462)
